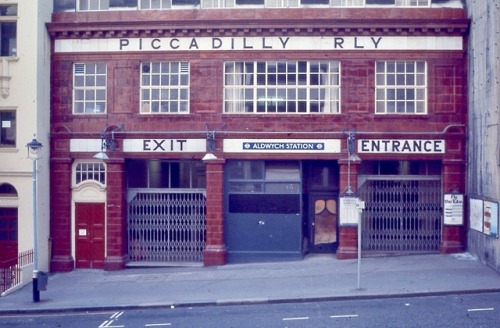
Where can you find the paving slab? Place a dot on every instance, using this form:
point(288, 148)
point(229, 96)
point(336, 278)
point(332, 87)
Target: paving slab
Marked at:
point(318, 277)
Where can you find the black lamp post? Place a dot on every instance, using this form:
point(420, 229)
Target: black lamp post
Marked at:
point(33, 148)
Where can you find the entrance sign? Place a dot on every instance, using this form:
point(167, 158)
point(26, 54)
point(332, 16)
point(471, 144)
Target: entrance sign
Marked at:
point(274, 43)
point(454, 209)
point(326, 146)
point(401, 146)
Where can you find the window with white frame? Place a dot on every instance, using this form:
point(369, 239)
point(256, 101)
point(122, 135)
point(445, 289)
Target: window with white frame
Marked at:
point(282, 87)
point(311, 3)
point(249, 2)
point(96, 5)
point(92, 171)
point(413, 3)
point(88, 5)
point(166, 4)
point(8, 30)
point(89, 88)
point(154, 4)
point(306, 3)
point(401, 87)
point(347, 3)
point(7, 128)
point(164, 87)
point(399, 3)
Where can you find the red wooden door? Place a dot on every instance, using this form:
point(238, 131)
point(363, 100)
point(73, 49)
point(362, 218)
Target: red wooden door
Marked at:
point(8, 237)
point(89, 235)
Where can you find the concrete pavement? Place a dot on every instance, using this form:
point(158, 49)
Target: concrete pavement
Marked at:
point(318, 277)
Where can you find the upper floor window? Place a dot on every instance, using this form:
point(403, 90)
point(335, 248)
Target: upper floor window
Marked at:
point(165, 4)
point(90, 171)
point(282, 87)
point(89, 88)
point(164, 87)
point(401, 3)
point(154, 4)
point(314, 2)
point(401, 87)
point(95, 5)
point(311, 3)
point(7, 128)
point(85, 5)
point(8, 30)
point(249, 2)
point(88, 5)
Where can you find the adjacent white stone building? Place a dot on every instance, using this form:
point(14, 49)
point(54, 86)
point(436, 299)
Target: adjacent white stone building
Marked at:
point(483, 130)
point(24, 113)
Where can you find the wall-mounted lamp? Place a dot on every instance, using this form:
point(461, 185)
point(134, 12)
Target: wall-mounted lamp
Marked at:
point(211, 145)
point(108, 141)
point(211, 137)
point(351, 156)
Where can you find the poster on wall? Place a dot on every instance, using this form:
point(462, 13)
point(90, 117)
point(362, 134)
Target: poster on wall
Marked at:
point(476, 214)
point(490, 219)
point(348, 210)
point(453, 209)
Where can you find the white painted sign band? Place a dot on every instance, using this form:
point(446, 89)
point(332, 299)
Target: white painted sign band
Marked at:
point(277, 43)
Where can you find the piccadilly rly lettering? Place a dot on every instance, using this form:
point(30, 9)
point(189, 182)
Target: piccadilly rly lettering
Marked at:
point(240, 43)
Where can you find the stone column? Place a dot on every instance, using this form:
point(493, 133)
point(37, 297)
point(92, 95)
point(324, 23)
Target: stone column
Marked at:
point(116, 215)
point(215, 250)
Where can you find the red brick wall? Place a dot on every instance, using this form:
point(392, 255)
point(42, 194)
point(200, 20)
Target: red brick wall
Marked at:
point(446, 116)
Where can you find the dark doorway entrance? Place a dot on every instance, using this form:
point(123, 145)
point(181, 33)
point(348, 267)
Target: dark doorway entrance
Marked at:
point(323, 223)
point(89, 235)
point(321, 191)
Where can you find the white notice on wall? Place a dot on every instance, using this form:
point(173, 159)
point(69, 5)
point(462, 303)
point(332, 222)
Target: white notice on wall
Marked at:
point(476, 214)
point(349, 210)
point(453, 209)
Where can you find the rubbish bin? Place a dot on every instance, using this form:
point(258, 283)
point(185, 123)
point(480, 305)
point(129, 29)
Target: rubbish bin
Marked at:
point(42, 280)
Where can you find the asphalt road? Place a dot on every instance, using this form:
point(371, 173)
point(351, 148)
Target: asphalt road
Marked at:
point(468, 310)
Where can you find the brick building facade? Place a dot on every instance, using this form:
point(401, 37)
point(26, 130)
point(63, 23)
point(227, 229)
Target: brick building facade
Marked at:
point(231, 134)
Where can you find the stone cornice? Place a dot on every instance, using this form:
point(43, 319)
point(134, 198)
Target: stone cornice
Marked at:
point(197, 29)
point(187, 24)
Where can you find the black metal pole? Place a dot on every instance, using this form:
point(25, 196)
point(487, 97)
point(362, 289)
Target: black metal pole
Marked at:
point(36, 292)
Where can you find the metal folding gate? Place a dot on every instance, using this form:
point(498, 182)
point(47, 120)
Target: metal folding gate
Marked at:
point(401, 216)
point(166, 225)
